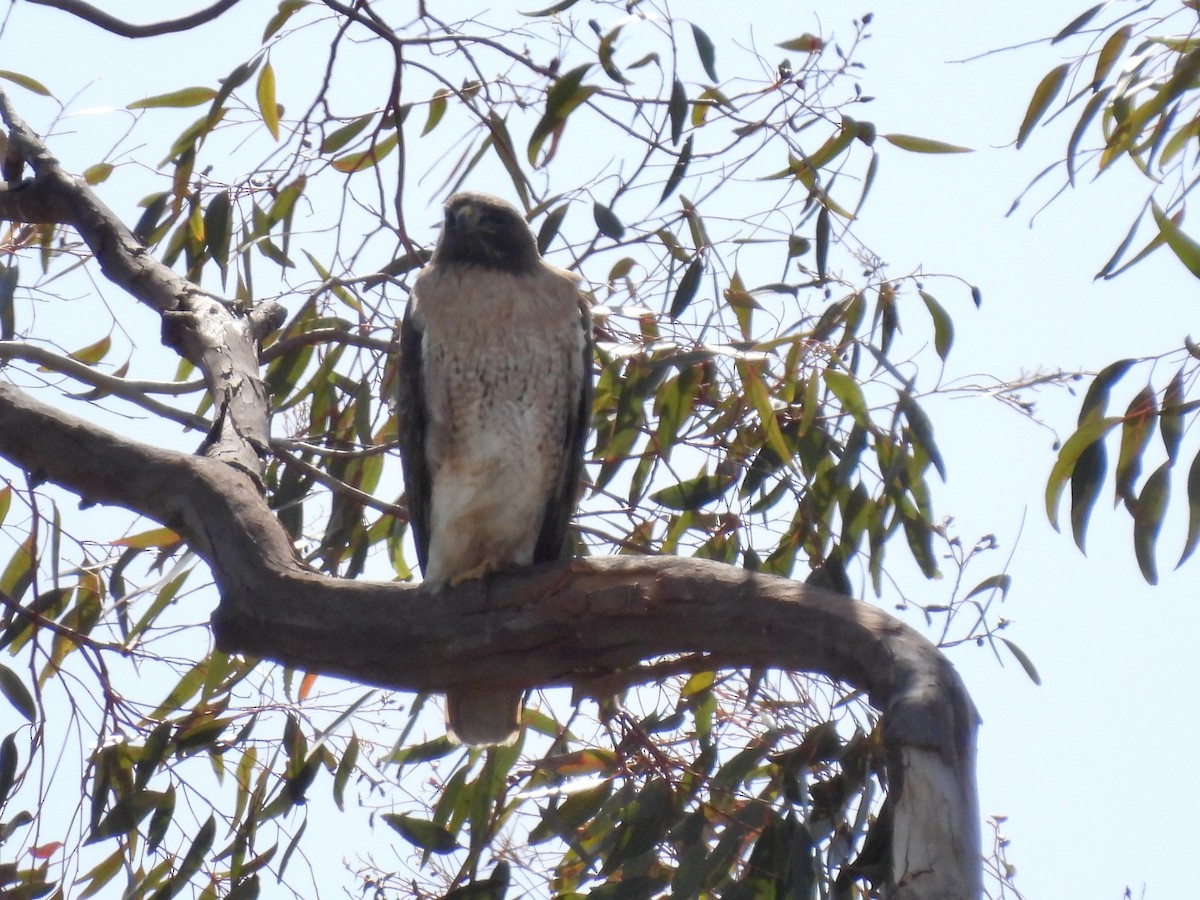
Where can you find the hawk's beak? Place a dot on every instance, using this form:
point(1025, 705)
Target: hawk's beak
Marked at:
point(463, 220)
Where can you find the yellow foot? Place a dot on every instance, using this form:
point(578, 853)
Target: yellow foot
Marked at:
point(487, 567)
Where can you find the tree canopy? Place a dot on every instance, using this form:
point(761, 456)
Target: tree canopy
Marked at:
point(760, 378)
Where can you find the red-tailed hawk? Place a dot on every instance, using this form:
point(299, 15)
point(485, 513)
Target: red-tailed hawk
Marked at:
point(495, 398)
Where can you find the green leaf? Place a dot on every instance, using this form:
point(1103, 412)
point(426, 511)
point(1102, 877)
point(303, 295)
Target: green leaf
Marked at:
point(341, 136)
point(708, 53)
point(607, 221)
point(849, 394)
point(13, 688)
point(564, 96)
point(550, 227)
point(921, 430)
point(422, 833)
point(806, 43)
point(1138, 426)
point(1096, 398)
point(98, 173)
point(1087, 478)
point(102, 873)
point(180, 99)
point(943, 327)
point(192, 861)
point(437, 109)
point(8, 290)
point(1148, 518)
point(1110, 53)
point(694, 492)
point(1089, 432)
point(1193, 532)
point(356, 162)
point(914, 144)
point(218, 229)
point(677, 110)
point(1180, 243)
point(999, 583)
point(823, 236)
point(92, 353)
point(265, 94)
point(345, 769)
point(286, 9)
point(1043, 96)
point(1078, 22)
point(678, 170)
point(1170, 422)
point(689, 284)
point(1025, 661)
point(551, 10)
point(30, 84)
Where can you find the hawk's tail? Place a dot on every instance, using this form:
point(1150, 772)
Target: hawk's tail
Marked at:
point(483, 716)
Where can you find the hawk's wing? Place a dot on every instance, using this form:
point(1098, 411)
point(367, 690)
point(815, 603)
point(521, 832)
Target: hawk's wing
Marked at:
point(561, 505)
point(413, 421)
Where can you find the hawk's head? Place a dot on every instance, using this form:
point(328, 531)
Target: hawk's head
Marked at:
point(482, 230)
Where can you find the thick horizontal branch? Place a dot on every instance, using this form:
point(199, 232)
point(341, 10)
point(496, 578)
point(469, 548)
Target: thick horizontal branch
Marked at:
point(566, 624)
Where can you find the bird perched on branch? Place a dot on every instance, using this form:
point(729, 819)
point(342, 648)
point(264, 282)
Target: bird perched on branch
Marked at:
point(495, 398)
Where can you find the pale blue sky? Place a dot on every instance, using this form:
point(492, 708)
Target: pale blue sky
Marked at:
point(1092, 768)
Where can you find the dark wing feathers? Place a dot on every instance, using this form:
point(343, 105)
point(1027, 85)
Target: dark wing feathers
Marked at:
point(552, 539)
point(413, 422)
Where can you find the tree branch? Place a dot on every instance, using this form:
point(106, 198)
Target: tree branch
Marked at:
point(206, 330)
point(564, 624)
point(120, 27)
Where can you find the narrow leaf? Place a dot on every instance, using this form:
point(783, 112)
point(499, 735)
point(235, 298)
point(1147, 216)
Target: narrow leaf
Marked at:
point(806, 43)
point(915, 144)
point(708, 53)
point(13, 688)
point(1087, 478)
point(943, 327)
point(1170, 422)
point(437, 109)
point(265, 93)
point(1025, 661)
point(678, 170)
point(1193, 532)
point(1078, 22)
point(30, 84)
point(848, 392)
point(344, 134)
point(1136, 431)
point(1096, 398)
point(689, 284)
point(1043, 96)
point(1148, 518)
point(422, 833)
point(180, 99)
point(1088, 433)
point(677, 110)
point(1180, 243)
point(1110, 53)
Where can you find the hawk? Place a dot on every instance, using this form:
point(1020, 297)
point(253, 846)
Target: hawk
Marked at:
point(495, 399)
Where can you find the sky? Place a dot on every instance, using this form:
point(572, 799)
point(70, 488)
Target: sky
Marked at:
point(1090, 768)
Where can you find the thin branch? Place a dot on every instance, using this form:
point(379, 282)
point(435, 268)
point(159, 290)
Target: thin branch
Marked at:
point(338, 487)
point(120, 27)
point(133, 391)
